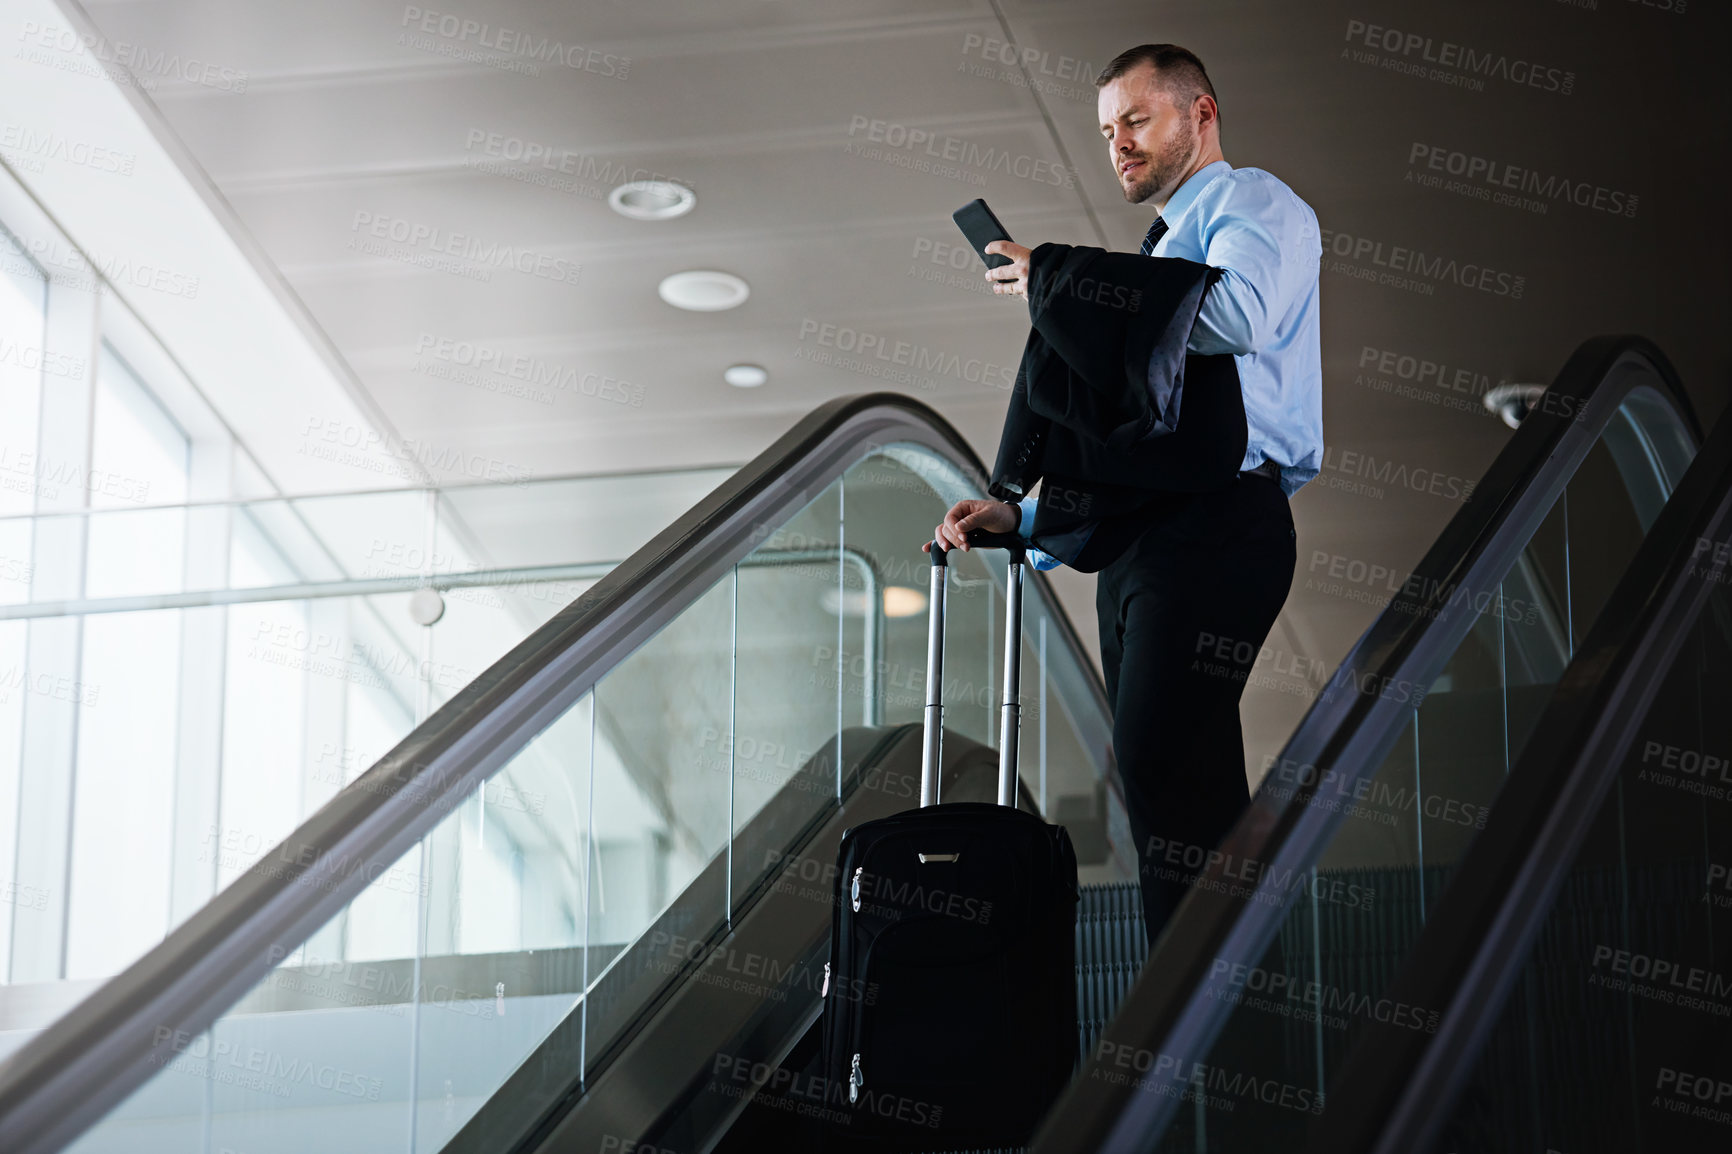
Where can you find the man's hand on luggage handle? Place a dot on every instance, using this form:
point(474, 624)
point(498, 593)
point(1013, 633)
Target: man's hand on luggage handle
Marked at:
point(993, 516)
point(1009, 279)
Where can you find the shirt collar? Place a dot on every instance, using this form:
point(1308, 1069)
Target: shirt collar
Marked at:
point(1192, 188)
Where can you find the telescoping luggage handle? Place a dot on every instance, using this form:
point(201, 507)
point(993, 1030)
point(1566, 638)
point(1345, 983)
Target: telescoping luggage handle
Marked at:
point(1010, 712)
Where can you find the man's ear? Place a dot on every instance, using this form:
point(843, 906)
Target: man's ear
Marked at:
point(1207, 112)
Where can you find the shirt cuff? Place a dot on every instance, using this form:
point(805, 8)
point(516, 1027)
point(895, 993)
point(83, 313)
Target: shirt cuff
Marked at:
point(1041, 561)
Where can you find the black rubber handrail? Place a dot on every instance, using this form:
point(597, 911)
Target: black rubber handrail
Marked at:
point(1397, 1087)
point(69, 1076)
point(1171, 1017)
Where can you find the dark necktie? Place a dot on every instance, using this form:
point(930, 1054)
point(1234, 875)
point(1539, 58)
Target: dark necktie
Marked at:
point(1156, 231)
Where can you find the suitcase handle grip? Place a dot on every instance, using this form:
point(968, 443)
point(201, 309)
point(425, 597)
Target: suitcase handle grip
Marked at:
point(981, 539)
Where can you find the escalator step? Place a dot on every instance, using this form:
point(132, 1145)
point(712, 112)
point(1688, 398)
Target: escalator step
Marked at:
point(1110, 950)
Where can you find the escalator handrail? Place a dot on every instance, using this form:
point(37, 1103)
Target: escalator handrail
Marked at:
point(1173, 1013)
point(1394, 1090)
point(71, 1074)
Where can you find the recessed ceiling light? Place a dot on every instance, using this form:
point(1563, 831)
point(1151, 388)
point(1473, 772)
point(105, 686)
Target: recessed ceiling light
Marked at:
point(652, 199)
point(745, 376)
point(704, 290)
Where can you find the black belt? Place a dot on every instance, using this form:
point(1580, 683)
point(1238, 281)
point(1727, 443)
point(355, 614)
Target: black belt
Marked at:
point(1267, 469)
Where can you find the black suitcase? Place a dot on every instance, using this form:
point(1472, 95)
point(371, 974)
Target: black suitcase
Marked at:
point(950, 997)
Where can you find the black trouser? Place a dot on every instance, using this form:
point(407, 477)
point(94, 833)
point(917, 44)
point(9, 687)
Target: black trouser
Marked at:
point(1183, 613)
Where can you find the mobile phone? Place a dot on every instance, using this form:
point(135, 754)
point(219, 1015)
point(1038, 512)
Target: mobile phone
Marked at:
point(981, 228)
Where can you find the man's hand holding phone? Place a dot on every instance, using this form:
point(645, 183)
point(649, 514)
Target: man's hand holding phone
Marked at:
point(1009, 279)
point(1006, 261)
point(993, 516)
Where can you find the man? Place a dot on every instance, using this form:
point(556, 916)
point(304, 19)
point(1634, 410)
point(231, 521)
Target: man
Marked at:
point(1201, 575)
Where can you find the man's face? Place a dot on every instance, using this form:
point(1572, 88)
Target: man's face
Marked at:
point(1151, 143)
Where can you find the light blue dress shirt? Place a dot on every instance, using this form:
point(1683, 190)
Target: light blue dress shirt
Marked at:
point(1262, 310)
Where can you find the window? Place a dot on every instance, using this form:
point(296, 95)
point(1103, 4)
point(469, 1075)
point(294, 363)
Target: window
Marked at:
point(128, 683)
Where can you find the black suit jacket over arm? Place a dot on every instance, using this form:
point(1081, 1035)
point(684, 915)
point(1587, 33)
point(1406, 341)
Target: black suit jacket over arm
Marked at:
point(1104, 382)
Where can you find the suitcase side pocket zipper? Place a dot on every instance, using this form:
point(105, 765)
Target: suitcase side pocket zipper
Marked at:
point(855, 1081)
point(854, 889)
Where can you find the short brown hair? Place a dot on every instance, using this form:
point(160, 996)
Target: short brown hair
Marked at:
point(1182, 75)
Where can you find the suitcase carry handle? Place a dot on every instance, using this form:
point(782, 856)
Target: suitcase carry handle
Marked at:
point(1010, 712)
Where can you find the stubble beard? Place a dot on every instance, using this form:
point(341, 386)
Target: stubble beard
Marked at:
point(1166, 166)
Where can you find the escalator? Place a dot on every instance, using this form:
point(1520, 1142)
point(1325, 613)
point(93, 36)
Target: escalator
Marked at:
point(507, 928)
point(1415, 993)
point(1583, 969)
point(666, 767)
